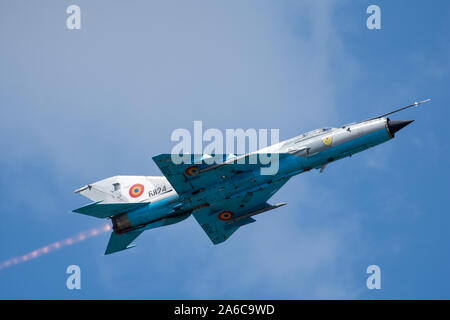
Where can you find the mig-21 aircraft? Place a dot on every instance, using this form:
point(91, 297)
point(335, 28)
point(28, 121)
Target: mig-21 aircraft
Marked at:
point(226, 195)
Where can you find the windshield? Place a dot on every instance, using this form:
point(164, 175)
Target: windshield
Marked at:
point(315, 132)
point(312, 133)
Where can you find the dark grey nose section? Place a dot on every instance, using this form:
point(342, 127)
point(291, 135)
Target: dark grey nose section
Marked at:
point(395, 126)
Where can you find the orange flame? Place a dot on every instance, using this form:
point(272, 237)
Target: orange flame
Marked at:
point(55, 246)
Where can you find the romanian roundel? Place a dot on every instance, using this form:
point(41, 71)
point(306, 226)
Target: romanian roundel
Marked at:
point(192, 171)
point(136, 190)
point(225, 215)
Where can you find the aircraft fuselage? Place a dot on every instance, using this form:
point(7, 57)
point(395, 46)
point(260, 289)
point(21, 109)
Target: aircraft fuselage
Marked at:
point(312, 150)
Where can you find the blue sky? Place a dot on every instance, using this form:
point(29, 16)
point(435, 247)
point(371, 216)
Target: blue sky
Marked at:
point(82, 105)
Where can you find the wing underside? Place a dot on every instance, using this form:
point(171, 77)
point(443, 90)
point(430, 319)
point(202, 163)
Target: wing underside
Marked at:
point(196, 174)
point(222, 219)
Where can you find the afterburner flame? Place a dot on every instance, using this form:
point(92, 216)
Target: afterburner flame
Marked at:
point(55, 246)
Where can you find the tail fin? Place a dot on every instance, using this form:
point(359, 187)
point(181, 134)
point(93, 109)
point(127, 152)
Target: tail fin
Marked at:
point(120, 189)
point(119, 194)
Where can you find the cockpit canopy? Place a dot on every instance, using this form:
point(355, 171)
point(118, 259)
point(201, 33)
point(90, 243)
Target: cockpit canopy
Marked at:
point(315, 132)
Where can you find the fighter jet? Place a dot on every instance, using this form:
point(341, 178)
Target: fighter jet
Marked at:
point(224, 196)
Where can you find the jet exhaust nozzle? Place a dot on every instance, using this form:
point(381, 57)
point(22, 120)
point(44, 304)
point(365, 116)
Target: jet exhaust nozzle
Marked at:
point(397, 125)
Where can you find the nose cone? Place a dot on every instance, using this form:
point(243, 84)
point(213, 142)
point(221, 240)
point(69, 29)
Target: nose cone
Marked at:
point(395, 126)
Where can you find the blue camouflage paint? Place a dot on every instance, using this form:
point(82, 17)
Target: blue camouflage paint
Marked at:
point(289, 165)
point(238, 186)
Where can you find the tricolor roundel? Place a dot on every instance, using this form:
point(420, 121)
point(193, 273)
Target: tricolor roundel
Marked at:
point(136, 190)
point(225, 215)
point(191, 171)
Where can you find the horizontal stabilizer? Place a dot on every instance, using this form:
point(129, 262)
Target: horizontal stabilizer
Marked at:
point(119, 242)
point(99, 210)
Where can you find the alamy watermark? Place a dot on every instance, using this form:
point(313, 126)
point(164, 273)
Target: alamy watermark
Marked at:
point(74, 280)
point(73, 22)
point(373, 22)
point(220, 148)
point(374, 280)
